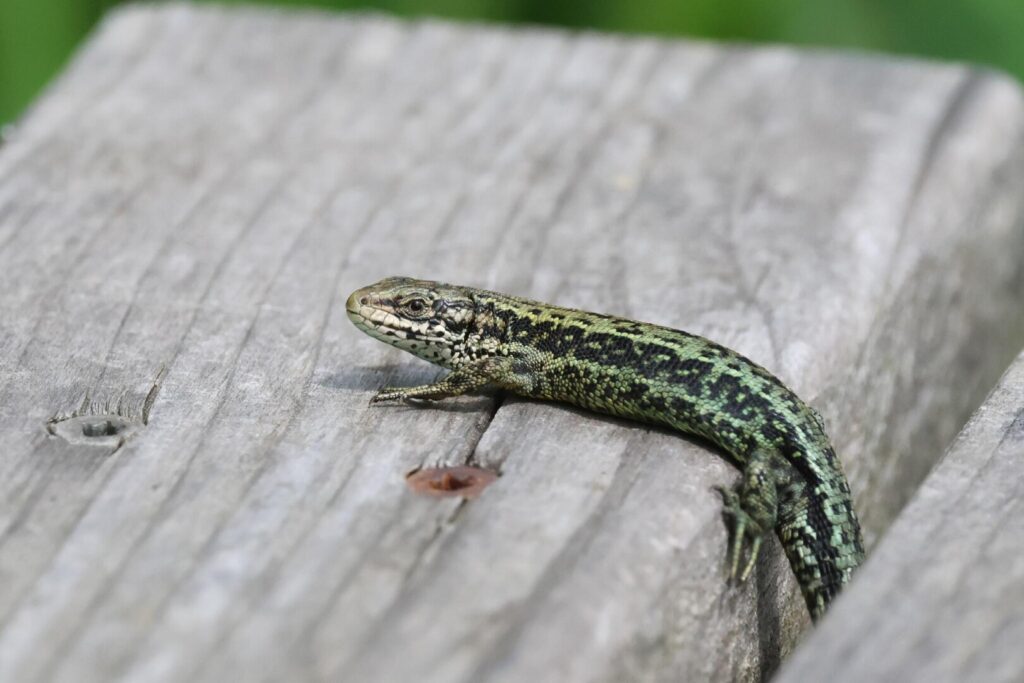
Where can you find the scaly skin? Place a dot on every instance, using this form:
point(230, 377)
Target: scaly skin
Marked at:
point(792, 480)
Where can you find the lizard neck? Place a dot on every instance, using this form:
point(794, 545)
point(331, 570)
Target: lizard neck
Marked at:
point(485, 335)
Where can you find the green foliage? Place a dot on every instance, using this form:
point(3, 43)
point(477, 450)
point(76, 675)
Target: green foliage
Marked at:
point(37, 36)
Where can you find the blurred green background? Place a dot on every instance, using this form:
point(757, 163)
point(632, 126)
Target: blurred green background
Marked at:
point(37, 36)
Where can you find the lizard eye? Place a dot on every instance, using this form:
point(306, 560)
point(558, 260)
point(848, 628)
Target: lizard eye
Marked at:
point(416, 305)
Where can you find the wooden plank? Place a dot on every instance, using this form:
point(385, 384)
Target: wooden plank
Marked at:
point(181, 216)
point(942, 598)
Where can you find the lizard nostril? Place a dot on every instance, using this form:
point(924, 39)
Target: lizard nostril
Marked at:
point(363, 300)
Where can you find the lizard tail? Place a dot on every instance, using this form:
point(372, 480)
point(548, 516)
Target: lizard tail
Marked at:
point(822, 539)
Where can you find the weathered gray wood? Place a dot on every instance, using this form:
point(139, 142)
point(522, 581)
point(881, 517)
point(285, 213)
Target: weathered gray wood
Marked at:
point(182, 213)
point(942, 598)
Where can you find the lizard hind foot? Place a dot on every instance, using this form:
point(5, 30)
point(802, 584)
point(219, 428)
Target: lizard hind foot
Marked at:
point(752, 507)
point(749, 523)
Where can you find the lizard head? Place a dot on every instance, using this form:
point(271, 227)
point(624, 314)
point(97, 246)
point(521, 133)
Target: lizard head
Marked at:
point(427, 319)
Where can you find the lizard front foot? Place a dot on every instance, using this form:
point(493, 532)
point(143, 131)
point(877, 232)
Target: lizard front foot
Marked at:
point(390, 395)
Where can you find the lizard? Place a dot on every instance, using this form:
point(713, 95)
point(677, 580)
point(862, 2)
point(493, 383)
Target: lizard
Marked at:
point(791, 480)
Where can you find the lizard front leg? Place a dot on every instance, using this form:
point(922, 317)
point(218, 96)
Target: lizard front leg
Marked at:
point(471, 376)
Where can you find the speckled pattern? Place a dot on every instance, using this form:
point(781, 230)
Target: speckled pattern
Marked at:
point(792, 480)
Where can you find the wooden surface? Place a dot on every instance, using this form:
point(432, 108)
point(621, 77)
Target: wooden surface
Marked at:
point(183, 213)
point(942, 598)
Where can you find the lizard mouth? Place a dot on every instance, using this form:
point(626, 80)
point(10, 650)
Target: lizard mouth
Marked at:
point(364, 315)
point(380, 322)
point(355, 302)
point(378, 317)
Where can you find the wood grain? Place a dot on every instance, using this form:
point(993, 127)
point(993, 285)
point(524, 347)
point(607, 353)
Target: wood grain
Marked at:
point(942, 599)
point(183, 212)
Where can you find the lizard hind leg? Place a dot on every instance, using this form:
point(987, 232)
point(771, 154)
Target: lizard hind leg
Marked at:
point(752, 508)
